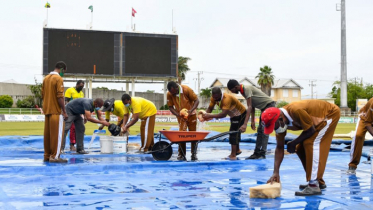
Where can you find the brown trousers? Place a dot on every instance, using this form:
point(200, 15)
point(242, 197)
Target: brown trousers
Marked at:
point(147, 133)
point(53, 134)
point(191, 125)
point(357, 144)
point(313, 152)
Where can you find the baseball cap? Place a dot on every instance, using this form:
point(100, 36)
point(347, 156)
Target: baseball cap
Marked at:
point(269, 117)
point(108, 104)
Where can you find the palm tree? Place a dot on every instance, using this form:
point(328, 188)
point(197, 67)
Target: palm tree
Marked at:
point(266, 79)
point(183, 68)
point(205, 92)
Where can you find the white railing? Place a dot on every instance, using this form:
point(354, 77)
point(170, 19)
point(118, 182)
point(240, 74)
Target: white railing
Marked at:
point(20, 111)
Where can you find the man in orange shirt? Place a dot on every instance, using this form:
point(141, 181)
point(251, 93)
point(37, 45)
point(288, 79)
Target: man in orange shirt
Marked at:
point(364, 124)
point(229, 105)
point(183, 97)
point(55, 113)
point(318, 120)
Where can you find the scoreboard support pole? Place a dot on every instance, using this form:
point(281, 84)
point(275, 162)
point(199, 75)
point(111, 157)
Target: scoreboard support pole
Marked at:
point(133, 87)
point(165, 92)
point(128, 87)
point(90, 88)
point(86, 88)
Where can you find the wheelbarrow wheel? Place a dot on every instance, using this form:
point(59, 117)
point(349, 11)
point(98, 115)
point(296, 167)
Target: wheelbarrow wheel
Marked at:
point(162, 151)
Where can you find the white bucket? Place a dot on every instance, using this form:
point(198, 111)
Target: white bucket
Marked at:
point(106, 144)
point(119, 144)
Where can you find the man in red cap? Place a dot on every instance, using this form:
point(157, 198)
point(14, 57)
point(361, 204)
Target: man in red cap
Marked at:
point(318, 120)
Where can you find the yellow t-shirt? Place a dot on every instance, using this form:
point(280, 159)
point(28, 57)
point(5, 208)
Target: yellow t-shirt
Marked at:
point(144, 107)
point(118, 110)
point(73, 94)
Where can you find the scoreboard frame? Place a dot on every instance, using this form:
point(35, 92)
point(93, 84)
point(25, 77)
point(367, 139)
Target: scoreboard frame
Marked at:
point(118, 60)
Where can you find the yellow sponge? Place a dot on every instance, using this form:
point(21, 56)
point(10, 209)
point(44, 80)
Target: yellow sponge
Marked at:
point(266, 191)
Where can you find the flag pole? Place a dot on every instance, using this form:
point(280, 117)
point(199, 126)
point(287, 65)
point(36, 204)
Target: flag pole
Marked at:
point(131, 19)
point(91, 19)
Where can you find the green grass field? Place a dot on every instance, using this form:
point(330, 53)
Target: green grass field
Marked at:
point(37, 128)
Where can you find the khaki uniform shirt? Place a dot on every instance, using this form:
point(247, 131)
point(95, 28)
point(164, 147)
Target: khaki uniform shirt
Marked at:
point(185, 101)
point(303, 114)
point(51, 90)
point(366, 113)
point(230, 103)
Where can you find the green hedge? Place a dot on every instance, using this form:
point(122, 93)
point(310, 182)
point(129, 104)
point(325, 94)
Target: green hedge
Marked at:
point(6, 101)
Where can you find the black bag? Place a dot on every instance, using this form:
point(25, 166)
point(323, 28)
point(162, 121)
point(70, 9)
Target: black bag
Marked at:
point(114, 129)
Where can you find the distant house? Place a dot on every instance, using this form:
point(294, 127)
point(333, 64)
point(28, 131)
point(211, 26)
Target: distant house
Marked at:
point(283, 89)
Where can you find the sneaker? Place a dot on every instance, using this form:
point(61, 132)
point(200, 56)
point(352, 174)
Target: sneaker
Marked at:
point(351, 170)
point(302, 186)
point(309, 191)
point(72, 148)
point(181, 157)
point(59, 160)
point(256, 156)
point(82, 152)
point(194, 157)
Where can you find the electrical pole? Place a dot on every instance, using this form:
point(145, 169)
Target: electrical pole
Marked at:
point(312, 85)
point(198, 80)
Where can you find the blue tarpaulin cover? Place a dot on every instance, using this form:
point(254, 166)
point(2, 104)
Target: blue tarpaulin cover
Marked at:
point(136, 181)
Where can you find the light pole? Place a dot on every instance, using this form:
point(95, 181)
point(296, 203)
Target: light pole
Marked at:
point(343, 57)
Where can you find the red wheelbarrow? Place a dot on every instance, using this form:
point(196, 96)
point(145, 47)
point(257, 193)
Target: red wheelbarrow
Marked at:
point(162, 150)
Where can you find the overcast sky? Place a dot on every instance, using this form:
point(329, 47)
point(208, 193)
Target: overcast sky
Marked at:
point(298, 39)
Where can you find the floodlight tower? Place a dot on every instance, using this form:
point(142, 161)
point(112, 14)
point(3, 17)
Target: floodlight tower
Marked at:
point(343, 105)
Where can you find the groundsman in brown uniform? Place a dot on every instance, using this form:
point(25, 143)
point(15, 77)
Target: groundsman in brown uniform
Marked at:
point(228, 105)
point(364, 124)
point(55, 113)
point(317, 119)
point(183, 97)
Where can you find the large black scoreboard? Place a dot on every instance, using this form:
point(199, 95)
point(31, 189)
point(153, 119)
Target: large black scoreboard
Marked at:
point(105, 53)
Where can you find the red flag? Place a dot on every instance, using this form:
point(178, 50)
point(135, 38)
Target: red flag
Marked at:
point(133, 12)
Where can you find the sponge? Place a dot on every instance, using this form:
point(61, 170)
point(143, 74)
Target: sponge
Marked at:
point(184, 113)
point(266, 191)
